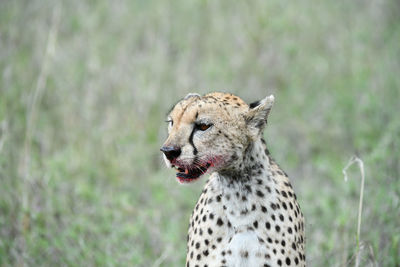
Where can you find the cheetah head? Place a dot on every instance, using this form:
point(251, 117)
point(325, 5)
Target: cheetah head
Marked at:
point(211, 133)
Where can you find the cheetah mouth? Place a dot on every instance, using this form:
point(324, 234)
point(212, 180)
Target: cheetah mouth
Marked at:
point(187, 175)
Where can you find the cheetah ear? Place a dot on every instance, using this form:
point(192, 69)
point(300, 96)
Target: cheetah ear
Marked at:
point(256, 117)
point(191, 95)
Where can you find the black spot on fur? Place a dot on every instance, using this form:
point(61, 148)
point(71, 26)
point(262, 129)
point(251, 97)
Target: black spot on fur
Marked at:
point(259, 193)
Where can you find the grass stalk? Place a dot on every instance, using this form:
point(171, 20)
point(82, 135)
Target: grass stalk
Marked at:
point(360, 163)
point(35, 99)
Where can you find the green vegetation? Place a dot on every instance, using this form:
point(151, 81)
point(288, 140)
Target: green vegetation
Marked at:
point(85, 85)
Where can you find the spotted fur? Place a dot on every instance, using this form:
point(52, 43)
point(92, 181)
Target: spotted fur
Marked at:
point(247, 214)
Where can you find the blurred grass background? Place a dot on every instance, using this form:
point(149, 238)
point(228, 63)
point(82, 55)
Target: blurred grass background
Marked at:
point(85, 85)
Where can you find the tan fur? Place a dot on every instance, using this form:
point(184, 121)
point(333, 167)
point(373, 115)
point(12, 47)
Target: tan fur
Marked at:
point(247, 214)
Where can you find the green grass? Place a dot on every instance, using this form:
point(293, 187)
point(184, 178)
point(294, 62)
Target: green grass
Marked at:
point(82, 182)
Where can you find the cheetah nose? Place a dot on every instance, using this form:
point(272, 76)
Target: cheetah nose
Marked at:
point(171, 152)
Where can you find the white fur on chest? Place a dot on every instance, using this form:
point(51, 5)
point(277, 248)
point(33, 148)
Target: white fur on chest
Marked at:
point(238, 205)
point(245, 250)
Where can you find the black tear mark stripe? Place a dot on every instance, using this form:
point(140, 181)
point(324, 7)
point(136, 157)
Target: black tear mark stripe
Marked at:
point(191, 141)
point(191, 136)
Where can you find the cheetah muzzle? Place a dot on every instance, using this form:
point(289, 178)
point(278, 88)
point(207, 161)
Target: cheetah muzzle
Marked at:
point(247, 213)
point(191, 173)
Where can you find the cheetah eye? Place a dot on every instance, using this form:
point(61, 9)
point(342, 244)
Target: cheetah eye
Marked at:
point(170, 122)
point(202, 126)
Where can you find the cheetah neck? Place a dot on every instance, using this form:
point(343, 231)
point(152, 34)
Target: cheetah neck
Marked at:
point(246, 190)
point(255, 165)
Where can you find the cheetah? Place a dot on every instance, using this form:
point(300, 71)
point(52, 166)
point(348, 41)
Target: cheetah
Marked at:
point(247, 213)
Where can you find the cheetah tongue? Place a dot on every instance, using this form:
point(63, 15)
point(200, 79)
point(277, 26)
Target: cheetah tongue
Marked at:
point(186, 175)
point(178, 169)
point(181, 170)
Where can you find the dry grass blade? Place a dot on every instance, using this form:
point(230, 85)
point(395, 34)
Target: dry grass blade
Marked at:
point(163, 256)
point(360, 163)
point(3, 133)
point(36, 96)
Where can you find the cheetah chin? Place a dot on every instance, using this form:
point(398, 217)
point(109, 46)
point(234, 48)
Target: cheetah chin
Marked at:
point(191, 173)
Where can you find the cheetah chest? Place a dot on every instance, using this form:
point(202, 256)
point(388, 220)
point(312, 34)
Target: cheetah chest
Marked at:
point(242, 225)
